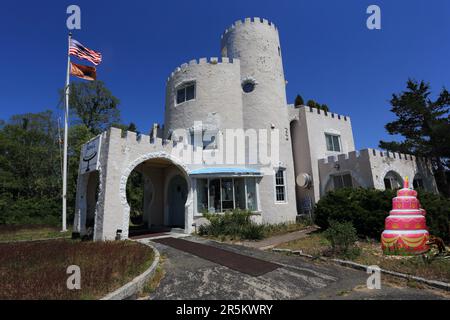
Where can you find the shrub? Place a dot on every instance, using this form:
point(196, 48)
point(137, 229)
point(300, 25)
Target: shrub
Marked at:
point(438, 214)
point(235, 224)
point(342, 236)
point(367, 209)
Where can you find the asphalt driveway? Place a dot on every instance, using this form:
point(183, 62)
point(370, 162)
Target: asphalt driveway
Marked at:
point(190, 277)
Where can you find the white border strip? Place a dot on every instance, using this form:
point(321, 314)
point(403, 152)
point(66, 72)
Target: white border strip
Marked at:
point(135, 285)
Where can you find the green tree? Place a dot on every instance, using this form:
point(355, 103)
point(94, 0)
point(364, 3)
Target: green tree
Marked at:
point(30, 174)
point(132, 127)
point(311, 103)
point(298, 101)
point(425, 126)
point(324, 107)
point(93, 105)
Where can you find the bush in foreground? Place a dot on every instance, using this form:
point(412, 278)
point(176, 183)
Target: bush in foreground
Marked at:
point(237, 224)
point(342, 236)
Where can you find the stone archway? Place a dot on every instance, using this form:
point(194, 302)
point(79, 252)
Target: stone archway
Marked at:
point(149, 157)
point(392, 180)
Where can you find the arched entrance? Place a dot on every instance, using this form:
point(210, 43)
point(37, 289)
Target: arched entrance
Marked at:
point(177, 196)
point(392, 180)
point(159, 203)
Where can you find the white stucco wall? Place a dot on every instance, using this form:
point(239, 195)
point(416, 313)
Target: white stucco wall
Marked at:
point(218, 98)
point(369, 168)
point(310, 143)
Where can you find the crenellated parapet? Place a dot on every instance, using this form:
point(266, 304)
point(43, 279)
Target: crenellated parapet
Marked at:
point(131, 139)
point(203, 62)
point(373, 154)
point(323, 113)
point(344, 157)
point(253, 20)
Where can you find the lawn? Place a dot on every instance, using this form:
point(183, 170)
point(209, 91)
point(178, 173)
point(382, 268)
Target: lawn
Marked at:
point(370, 254)
point(31, 232)
point(37, 270)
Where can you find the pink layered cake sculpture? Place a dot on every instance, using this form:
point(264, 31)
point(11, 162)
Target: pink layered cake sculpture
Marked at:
point(405, 228)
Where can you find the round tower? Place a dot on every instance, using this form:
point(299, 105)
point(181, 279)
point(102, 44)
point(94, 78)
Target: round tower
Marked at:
point(206, 90)
point(255, 42)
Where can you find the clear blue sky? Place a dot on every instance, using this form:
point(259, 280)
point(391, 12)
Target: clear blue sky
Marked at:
point(329, 54)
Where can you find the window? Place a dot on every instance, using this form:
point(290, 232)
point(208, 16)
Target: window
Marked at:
point(222, 194)
point(252, 204)
point(186, 92)
point(333, 142)
point(342, 181)
point(208, 139)
point(227, 194)
point(202, 195)
point(248, 86)
point(280, 186)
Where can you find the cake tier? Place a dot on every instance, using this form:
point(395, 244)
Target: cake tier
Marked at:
point(405, 203)
point(409, 242)
point(405, 222)
point(406, 212)
point(406, 192)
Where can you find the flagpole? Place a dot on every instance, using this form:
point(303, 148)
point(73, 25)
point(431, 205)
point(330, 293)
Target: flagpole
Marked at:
point(66, 125)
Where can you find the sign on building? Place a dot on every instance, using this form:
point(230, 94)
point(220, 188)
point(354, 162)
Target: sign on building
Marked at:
point(90, 154)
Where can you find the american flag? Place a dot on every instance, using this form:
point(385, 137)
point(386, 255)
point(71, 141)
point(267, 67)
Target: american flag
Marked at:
point(78, 50)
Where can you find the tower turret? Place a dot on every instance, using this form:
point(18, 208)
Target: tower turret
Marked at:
point(255, 42)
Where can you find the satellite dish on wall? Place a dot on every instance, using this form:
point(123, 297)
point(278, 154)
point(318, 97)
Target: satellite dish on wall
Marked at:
point(304, 180)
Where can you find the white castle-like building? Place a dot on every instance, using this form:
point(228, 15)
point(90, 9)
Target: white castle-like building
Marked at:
point(243, 92)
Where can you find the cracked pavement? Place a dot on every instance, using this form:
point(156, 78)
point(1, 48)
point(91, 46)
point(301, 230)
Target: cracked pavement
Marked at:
point(190, 277)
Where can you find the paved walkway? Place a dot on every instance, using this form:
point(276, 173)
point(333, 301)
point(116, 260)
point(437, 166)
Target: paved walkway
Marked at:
point(272, 242)
point(190, 277)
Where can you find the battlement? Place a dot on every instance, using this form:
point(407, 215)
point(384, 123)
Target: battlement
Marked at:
point(352, 156)
point(249, 21)
point(135, 138)
point(203, 61)
point(370, 153)
point(397, 156)
point(326, 113)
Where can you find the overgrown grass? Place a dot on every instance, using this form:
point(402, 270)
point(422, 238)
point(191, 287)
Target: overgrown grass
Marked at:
point(153, 283)
point(37, 270)
point(238, 225)
point(370, 253)
point(31, 232)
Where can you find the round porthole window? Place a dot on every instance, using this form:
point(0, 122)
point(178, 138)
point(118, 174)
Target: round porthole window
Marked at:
point(248, 86)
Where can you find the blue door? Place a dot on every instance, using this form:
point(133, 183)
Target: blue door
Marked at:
point(177, 197)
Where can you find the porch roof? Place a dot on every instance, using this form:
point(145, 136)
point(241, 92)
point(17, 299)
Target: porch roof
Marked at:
point(241, 171)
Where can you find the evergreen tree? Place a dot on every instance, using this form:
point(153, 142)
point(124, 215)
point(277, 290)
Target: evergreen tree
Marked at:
point(311, 103)
point(132, 127)
point(299, 101)
point(425, 127)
